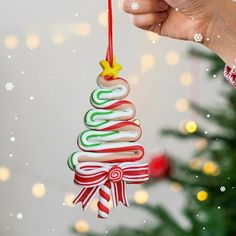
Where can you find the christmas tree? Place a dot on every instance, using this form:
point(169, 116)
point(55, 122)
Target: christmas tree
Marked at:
point(208, 178)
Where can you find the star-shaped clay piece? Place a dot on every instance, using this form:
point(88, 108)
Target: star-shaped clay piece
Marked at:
point(108, 70)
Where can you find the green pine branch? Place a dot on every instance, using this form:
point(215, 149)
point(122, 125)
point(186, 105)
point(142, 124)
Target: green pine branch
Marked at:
point(221, 117)
point(160, 213)
point(198, 134)
point(216, 64)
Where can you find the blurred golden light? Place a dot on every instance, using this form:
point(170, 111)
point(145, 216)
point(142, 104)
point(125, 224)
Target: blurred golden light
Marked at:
point(110, 204)
point(181, 126)
point(81, 226)
point(191, 127)
point(11, 42)
point(182, 105)
point(147, 62)
point(119, 5)
point(4, 173)
point(195, 163)
point(202, 196)
point(201, 144)
point(68, 200)
point(176, 187)
point(133, 79)
point(172, 58)
point(38, 190)
point(103, 18)
point(153, 37)
point(32, 41)
point(93, 205)
point(82, 29)
point(141, 197)
point(211, 168)
point(186, 79)
point(58, 38)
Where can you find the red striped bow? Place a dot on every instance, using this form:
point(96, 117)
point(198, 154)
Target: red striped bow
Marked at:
point(93, 175)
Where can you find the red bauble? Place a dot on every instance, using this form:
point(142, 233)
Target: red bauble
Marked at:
point(160, 166)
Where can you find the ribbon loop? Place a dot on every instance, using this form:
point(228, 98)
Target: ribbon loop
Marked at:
point(93, 175)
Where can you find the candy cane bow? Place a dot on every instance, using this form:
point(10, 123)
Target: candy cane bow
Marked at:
point(93, 175)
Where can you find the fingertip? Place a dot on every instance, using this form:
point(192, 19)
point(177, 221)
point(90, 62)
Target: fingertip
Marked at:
point(124, 5)
point(133, 19)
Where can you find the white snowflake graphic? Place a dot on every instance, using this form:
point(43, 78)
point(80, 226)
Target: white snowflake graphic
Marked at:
point(19, 216)
point(9, 86)
point(222, 188)
point(135, 6)
point(198, 38)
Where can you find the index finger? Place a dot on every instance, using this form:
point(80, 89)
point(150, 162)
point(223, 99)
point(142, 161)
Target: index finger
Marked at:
point(143, 6)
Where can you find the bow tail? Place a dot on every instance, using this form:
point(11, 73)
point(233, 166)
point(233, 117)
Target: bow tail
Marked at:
point(118, 192)
point(85, 196)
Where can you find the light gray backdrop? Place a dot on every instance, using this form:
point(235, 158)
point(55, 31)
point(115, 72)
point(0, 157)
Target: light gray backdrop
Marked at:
point(43, 114)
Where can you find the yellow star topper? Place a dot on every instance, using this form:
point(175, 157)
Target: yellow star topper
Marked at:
point(108, 70)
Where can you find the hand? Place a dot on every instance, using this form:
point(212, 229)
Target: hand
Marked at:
point(180, 19)
point(215, 20)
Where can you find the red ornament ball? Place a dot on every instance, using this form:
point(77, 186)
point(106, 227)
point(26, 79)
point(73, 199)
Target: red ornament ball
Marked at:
point(160, 166)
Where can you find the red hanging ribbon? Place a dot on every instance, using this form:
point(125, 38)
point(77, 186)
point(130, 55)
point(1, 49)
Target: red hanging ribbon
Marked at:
point(93, 175)
point(109, 54)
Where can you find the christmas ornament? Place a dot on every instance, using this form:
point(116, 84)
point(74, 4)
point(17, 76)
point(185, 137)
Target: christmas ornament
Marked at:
point(160, 166)
point(109, 156)
point(230, 74)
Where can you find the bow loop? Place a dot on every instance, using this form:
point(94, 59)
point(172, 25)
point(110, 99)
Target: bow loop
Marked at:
point(93, 175)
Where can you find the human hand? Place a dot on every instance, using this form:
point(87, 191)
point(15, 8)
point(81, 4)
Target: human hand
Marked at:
point(215, 20)
point(180, 19)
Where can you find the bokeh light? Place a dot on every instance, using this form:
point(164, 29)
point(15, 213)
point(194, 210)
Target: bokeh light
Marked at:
point(153, 37)
point(32, 41)
point(82, 29)
point(202, 196)
point(201, 144)
point(110, 204)
point(195, 163)
point(119, 5)
point(147, 62)
point(172, 58)
point(81, 226)
point(68, 200)
point(141, 197)
point(11, 41)
point(133, 79)
point(191, 127)
point(176, 187)
point(93, 205)
point(4, 174)
point(182, 104)
point(58, 38)
point(186, 79)
point(103, 18)
point(211, 168)
point(181, 126)
point(38, 190)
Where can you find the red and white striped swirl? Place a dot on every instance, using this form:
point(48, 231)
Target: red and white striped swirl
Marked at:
point(104, 198)
point(115, 174)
